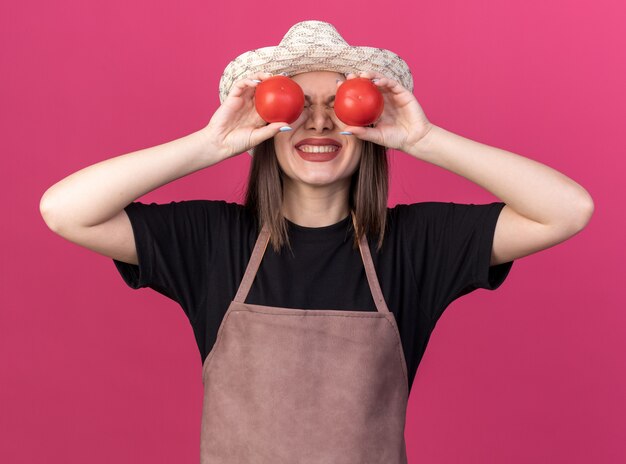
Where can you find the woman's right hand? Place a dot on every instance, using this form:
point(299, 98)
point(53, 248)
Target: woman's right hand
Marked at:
point(235, 127)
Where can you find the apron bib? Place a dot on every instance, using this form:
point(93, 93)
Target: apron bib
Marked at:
point(304, 386)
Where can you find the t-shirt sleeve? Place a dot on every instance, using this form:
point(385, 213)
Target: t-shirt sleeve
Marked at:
point(175, 243)
point(451, 245)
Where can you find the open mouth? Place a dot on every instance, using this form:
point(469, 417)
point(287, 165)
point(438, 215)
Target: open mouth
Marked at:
point(316, 149)
point(318, 152)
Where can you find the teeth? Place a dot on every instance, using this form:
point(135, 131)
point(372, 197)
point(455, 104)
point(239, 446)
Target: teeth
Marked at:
point(318, 148)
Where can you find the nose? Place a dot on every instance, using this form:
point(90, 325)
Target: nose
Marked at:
point(319, 118)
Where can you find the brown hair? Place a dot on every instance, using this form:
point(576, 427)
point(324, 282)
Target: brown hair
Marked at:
point(367, 198)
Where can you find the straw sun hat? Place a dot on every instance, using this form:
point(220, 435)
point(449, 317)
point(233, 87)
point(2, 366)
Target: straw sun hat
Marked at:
point(314, 46)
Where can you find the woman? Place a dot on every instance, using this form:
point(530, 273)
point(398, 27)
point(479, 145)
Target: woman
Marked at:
point(309, 355)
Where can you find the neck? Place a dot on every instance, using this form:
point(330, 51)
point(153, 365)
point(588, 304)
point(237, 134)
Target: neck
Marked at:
point(314, 206)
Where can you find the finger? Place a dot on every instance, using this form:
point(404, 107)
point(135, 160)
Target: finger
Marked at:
point(263, 133)
point(364, 133)
point(250, 81)
point(382, 81)
point(372, 75)
point(242, 85)
point(259, 75)
point(388, 84)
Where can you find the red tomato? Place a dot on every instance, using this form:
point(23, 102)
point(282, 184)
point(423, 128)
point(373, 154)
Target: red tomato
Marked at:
point(279, 99)
point(358, 102)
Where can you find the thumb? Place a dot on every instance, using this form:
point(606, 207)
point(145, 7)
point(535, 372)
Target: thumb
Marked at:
point(364, 133)
point(263, 133)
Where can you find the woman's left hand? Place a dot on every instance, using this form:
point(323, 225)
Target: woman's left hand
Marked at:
point(402, 123)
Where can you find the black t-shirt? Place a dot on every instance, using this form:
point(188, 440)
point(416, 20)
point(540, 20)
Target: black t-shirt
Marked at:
point(195, 252)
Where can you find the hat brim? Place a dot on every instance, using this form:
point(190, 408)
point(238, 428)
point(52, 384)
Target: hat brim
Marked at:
point(306, 58)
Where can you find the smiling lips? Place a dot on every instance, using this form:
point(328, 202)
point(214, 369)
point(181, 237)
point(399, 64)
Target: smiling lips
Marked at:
point(318, 141)
point(318, 149)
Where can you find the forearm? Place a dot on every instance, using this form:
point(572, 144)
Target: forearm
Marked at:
point(532, 189)
point(98, 192)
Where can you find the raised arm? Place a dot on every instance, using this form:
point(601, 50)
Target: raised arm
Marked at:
point(543, 206)
point(87, 207)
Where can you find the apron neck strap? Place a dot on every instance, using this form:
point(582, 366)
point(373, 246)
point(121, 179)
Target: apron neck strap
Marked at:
point(261, 245)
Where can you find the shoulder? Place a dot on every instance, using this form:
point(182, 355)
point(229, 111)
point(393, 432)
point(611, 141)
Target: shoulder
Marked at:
point(422, 207)
point(413, 213)
point(441, 219)
point(225, 214)
point(197, 206)
point(213, 214)
point(429, 210)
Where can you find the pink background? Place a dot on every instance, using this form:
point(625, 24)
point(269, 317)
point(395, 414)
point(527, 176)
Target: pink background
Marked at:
point(93, 371)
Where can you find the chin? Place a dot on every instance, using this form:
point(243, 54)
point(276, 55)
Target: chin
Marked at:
point(320, 179)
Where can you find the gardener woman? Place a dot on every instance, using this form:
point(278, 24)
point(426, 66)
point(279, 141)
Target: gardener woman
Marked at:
point(310, 345)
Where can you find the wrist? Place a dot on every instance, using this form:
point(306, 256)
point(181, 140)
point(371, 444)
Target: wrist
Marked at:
point(423, 146)
point(210, 152)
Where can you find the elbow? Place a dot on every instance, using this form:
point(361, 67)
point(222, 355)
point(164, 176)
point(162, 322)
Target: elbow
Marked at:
point(46, 211)
point(584, 210)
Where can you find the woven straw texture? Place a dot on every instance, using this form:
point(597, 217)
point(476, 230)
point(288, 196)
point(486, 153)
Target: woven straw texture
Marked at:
point(314, 46)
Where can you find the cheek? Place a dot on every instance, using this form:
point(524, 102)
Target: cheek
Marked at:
point(282, 149)
point(282, 144)
point(357, 151)
point(358, 156)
